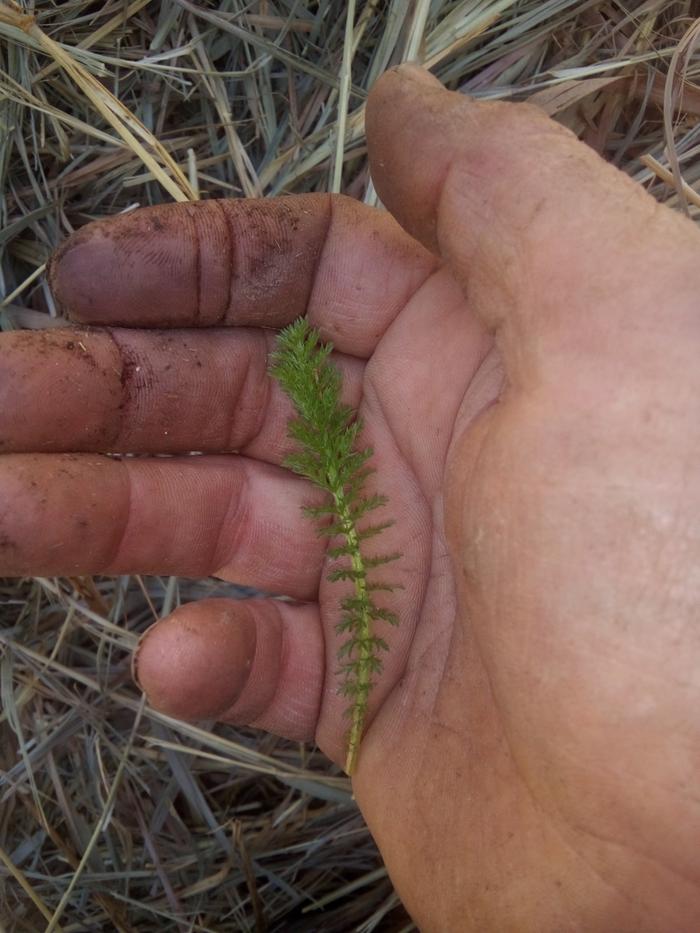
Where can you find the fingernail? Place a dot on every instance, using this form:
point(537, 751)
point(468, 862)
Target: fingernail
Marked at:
point(417, 74)
point(137, 651)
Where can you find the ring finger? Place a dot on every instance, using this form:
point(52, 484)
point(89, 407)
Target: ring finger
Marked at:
point(228, 516)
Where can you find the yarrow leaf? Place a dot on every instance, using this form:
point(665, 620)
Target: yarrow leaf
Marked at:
point(325, 431)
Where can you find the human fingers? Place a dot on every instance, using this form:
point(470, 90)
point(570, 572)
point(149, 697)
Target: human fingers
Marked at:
point(189, 516)
point(240, 262)
point(257, 662)
point(147, 391)
point(553, 247)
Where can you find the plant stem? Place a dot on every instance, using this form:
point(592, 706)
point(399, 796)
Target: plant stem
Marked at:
point(364, 630)
point(325, 433)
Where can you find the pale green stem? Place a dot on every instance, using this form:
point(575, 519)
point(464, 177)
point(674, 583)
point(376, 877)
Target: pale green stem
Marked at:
point(363, 630)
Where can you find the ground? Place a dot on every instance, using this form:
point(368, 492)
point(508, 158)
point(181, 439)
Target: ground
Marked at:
point(111, 815)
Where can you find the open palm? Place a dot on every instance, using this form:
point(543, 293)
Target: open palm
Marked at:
point(522, 769)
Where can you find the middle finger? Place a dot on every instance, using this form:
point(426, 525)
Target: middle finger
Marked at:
point(147, 391)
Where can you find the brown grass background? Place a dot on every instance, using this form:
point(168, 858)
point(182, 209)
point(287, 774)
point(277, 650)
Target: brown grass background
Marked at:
point(113, 817)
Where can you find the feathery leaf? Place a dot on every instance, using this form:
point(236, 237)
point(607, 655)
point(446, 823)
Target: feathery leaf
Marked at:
point(326, 432)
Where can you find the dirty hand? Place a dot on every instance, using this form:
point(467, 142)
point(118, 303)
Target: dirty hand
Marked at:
point(532, 758)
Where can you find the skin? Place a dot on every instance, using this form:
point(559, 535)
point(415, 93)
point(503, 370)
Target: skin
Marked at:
point(521, 335)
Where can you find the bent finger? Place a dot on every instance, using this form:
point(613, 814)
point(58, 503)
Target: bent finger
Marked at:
point(257, 662)
point(147, 391)
point(188, 516)
point(259, 263)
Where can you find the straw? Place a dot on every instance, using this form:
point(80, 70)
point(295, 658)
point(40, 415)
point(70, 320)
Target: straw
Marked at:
point(113, 816)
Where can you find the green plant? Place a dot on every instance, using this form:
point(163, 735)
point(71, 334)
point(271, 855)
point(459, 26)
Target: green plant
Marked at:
point(326, 431)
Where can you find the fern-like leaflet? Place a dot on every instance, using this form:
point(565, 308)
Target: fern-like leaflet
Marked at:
point(325, 432)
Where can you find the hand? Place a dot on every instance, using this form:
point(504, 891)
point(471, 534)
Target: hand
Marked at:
point(532, 758)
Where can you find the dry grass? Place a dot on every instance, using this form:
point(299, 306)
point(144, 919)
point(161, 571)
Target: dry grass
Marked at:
point(111, 815)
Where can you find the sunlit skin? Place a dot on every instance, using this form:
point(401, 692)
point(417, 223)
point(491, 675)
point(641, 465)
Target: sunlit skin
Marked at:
point(521, 334)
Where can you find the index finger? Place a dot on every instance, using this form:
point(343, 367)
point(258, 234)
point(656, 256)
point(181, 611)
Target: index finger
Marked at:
point(259, 263)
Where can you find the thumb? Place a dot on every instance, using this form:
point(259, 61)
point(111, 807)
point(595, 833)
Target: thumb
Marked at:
point(551, 245)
